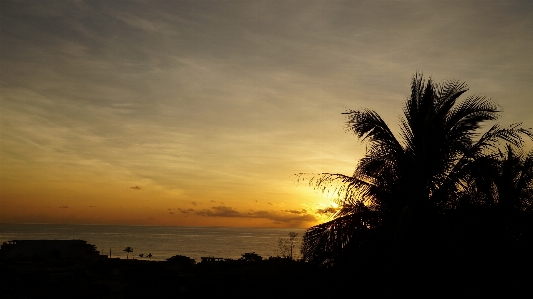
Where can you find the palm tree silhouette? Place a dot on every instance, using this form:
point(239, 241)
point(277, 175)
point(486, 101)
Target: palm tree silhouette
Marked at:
point(494, 216)
point(514, 180)
point(401, 188)
point(511, 196)
point(128, 250)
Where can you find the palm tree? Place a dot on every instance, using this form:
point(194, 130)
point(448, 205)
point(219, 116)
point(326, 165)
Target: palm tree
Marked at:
point(494, 217)
point(401, 188)
point(128, 250)
point(510, 197)
point(514, 181)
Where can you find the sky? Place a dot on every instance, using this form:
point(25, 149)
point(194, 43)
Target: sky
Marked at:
point(202, 113)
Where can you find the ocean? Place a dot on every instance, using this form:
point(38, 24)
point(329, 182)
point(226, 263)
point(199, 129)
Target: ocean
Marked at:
point(161, 241)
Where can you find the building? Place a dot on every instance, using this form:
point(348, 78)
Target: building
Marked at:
point(21, 250)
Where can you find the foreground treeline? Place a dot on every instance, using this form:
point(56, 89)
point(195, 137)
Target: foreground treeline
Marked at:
point(178, 277)
point(255, 278)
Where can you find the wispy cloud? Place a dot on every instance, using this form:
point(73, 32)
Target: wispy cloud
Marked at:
point(221, 101)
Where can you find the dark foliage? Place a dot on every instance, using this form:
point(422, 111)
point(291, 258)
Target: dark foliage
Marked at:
point(250, 257)
point(418, 198)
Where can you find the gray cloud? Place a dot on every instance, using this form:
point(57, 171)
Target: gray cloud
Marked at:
point(303, 211)
point(284, 216)
point(281, 217)
point(220, 211)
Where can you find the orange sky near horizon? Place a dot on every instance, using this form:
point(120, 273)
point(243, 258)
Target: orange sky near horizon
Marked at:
point(200, 113)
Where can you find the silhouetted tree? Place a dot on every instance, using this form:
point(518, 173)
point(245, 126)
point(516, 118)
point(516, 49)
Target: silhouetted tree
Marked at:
point(493, 218)
point(128, 250)
point(181, 261)
point(141, 255)
point(250, 257)
point(149, 255)
point(401, 188)
point(511, 192)
point(286, 246)
point(514, 181)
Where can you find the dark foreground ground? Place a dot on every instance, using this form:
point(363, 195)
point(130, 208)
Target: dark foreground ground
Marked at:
point(274, 278)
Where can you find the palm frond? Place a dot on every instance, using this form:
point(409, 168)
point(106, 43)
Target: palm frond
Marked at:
point(447, 94)
point(346, 190)
point(327, 243)
point(491, 139)
point(369, 126)
point(463, 121)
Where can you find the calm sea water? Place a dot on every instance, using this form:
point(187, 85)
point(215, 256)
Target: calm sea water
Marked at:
point(161, 241)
